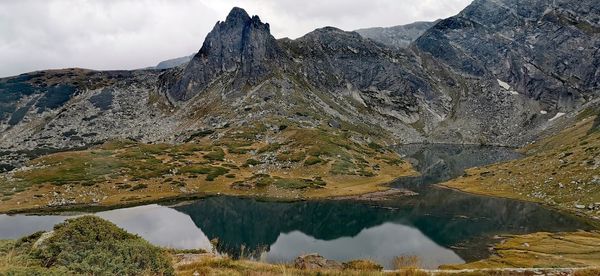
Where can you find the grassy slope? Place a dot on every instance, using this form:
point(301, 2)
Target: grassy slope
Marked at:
point(544, 250)
point(295, 163)
point(562, 171)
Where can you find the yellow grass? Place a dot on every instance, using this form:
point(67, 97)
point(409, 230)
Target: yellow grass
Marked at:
point(558, 171)
point(125, 173)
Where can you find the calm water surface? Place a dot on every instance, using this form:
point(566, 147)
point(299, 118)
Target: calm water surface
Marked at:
point(438, 225)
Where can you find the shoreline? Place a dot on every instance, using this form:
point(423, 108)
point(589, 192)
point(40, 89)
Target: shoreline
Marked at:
point(593, 222)
point(383, 188)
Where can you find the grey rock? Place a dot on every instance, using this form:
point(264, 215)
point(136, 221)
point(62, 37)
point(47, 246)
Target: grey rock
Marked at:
point(334, 124)
point(397, 36)
point(545, 50)
point(241, 47)
point(315, 261)
point(175, 62)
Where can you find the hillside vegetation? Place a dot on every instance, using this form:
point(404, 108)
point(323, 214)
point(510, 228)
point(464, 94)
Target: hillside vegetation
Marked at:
point(562, 171)
point(295, 163)
point(84, 246)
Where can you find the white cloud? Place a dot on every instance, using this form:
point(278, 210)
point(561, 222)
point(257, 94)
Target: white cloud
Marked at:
point(128, 34)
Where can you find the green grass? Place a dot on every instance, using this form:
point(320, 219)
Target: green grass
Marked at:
point(217, 154)
point(263, 180)
point(252, 162)
point(294, 183)
point(211, 172)
point(291, 156)
point(375, 146)
point(312, 160)
point(90, 167)
point(269, 148)
point(343, 167)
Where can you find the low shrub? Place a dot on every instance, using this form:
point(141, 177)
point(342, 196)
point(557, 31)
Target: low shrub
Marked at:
point(252, 162)
point(363, 265)
point(93, 246)
point(216, 154)
point(312, 160)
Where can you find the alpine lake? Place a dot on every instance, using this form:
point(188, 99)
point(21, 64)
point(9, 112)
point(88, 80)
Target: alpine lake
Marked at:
point(437, 225)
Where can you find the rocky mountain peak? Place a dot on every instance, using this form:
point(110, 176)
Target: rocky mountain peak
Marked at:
point(241, 46)
point(237, 14)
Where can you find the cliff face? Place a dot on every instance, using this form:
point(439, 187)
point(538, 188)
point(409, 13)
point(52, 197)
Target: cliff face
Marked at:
point(241, 47)
point(500, 72)
point(397, 36)
point(545, 50)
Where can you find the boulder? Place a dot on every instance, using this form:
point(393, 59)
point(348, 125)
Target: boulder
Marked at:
point(316, 261)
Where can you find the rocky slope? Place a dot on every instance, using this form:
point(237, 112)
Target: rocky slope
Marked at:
point(500, 72)
point(397, 36)
point(562, 170)
point(174, 62)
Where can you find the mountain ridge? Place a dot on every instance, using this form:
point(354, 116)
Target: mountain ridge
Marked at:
point(439, 89)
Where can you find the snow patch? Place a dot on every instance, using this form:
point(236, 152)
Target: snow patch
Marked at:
point(504, 85)
point(558, 115)
point(543, 112)
point(507, 87)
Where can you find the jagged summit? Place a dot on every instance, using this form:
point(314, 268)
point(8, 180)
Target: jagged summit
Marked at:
point(236, 14)
point(241, 46)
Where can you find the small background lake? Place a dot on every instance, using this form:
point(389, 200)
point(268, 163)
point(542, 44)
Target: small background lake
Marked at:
point(438, 225)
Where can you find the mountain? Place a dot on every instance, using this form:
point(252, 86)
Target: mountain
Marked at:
point(544, 50)
point(241, 48)
point(500, 72)
point(170, 63)
point(397, 36)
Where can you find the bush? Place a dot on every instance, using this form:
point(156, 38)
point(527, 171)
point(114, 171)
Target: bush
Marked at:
point(292, 157)
point(93, 246)
point(375, 146)
point(216, 155)
point(312, 160)
point(363, 265)
point(269, 148)
point(211, 172)
point(252, 162)
point(342, 167)
point(294, 183)
point(263, 180)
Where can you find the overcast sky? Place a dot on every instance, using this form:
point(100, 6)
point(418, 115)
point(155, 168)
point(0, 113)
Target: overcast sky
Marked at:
point(129, 34)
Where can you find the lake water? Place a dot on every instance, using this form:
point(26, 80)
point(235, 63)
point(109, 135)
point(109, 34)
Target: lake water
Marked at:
point(440, 226)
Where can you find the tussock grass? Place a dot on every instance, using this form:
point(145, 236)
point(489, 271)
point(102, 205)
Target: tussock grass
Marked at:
point(406, 262)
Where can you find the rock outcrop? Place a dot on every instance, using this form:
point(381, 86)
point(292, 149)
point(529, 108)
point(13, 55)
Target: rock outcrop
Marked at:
point(174, 62)
point(397, 36)
point(241, 47)
point(545, 50)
